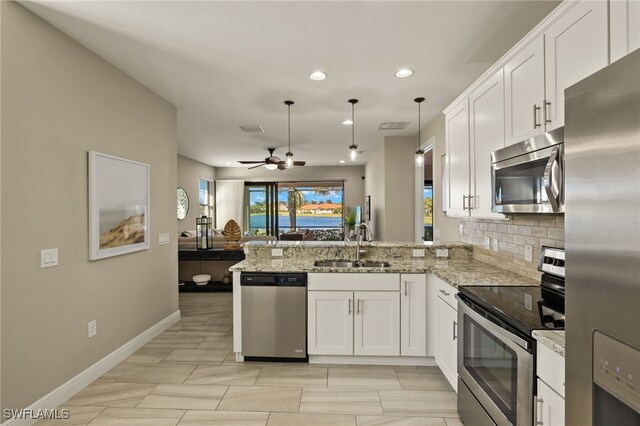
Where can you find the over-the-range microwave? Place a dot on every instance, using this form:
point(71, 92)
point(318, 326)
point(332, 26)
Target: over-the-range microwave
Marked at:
point(528, 177)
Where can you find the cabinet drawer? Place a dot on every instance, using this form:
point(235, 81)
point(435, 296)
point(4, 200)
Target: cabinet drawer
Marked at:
point(551, 368)
point(333, 281)
point(446, 292)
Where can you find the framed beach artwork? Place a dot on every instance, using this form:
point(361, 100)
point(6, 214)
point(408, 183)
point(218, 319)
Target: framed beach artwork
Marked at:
point(118, 206)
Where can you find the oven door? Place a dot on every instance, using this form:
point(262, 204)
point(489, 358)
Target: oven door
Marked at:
point(529, 183)
point(497, 367)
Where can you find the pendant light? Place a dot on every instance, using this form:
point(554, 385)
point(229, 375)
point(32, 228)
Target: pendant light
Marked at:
point(288, 163)
point(419, 152)
point(353, 148)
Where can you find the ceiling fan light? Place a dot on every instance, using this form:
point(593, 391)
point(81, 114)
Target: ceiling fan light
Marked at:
point(288, 163)
point(271, 166)
point(419, 158)
point(353, 154)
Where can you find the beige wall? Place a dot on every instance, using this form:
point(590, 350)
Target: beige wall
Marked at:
point(189, 174)
point(444, 227)
point(59, 101)
point(374, 173)
point(352, 175)
point(400, 183)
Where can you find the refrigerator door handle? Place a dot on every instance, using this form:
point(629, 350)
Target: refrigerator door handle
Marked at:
point(553, 179)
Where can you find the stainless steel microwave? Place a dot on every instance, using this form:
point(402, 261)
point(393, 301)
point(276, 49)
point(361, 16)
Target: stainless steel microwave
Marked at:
point(528, 177)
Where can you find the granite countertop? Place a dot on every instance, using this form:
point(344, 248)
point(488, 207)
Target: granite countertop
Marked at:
point(553, 339)
point(456, 272)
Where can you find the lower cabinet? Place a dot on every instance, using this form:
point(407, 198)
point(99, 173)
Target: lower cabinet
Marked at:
point(549, 401)
point(549, 406)
point(353, 323)
point(413, 315)
point(444, 327)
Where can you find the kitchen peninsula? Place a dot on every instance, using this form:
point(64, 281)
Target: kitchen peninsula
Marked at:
point(403, 313)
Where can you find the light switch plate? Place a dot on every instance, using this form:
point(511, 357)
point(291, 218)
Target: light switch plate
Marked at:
point(461, 229)
point(48, 258)
point(277, 252)
point(528, 253)
point(494, 244)
point(163, 239)
point(92, 328)
point(418, 252)
point(436, 233)
point(487, 243)
point(442, 252)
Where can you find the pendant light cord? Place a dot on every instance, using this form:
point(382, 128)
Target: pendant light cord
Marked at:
point(419, 127)
point(289, 125)
point(353, 125)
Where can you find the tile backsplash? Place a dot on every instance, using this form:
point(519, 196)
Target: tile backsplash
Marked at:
point(513, 235)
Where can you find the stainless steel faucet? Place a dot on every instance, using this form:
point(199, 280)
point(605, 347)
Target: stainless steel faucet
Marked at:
point(359, 251)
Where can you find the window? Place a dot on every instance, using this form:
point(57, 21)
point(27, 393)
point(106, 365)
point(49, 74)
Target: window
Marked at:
point(205, 198)
point(428, 210)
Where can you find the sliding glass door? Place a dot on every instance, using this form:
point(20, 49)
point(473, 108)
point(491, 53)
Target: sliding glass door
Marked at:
point(261, 209)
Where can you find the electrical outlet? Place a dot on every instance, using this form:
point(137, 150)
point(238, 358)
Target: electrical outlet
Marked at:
point(92, 328)
point(528, 253)
point(494, 244)
point(487, 243)
point(461, 229)
point(277, 252)
point(418, 252)
point(48, 258)
point(163, 239)
point(442, 252)
point(528, 302)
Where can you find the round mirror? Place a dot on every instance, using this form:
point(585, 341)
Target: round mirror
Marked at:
point(183, 203)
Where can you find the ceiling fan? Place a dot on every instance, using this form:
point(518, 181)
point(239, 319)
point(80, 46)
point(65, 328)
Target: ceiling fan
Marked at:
point(271, 162)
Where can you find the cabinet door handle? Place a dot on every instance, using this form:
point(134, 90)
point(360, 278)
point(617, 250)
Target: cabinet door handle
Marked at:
point(406, 292)
point(358, 308)
point(536, 108)
point(547, 112)
point(350, 309)
point(539, 412)
point(444, 292)
point(455, 330)
point(464, 199)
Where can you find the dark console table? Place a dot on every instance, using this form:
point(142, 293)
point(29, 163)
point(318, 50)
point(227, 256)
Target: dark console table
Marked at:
point(215, 262)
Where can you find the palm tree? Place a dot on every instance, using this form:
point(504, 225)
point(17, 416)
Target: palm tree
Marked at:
point(295, 199)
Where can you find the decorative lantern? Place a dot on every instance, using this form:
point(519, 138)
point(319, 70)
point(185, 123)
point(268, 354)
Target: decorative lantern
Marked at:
point(203, 232)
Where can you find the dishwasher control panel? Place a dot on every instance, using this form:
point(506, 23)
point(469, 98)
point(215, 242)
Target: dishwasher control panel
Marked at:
point(274, 279)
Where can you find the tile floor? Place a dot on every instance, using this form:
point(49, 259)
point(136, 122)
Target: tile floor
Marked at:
point(188, 376)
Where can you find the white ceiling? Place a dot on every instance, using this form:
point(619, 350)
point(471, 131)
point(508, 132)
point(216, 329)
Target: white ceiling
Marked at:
point(230, 63)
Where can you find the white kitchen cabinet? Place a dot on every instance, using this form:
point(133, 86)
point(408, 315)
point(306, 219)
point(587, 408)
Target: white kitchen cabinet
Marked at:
point(330, 322)
point(624, 24)
point(376, 323)
point(549, 406)
point(575, 46)
point(446, 332)
point(486, 114)
point(524, 92)
point(413, 315)
point(457, 135)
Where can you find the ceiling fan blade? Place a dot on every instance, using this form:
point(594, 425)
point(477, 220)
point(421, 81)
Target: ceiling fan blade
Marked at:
point(299, 163)
point(251, 162)
point(281, 165)
point(255, 167)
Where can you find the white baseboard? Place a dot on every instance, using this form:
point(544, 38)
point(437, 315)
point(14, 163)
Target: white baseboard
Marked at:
point(58, 396)
point(371, 360)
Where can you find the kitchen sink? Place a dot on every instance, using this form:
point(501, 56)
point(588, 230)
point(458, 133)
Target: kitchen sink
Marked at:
point(350, 264)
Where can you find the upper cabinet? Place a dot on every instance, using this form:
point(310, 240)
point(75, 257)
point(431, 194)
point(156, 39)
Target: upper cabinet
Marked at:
point(457, 135)
point(576, 46)
point(624, 24)
point(524, 92)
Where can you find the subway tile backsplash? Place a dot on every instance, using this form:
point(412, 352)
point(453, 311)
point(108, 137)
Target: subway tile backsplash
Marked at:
point(513, 235)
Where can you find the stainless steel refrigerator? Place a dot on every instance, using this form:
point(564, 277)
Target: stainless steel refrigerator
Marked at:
point(602, 232)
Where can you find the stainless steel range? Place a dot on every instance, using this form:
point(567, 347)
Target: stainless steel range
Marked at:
point(496, 352)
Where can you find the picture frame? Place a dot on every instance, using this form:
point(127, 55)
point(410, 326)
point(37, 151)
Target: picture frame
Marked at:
point(119, 200)
point(367, 207)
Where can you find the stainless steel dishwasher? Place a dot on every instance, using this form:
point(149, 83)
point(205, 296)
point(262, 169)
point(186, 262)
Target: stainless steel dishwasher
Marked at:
point(274, 316)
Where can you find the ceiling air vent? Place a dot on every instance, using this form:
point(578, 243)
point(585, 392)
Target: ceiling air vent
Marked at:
point(252, 128)
point(393, 125)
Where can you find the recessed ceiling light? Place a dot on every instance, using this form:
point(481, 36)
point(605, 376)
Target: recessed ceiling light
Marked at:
point(347, 122)
point(342, 161)
point(318, 75)
point(404, 73)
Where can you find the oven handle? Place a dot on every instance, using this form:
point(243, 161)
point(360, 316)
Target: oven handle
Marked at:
point(553, 179)
point(494, 328)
